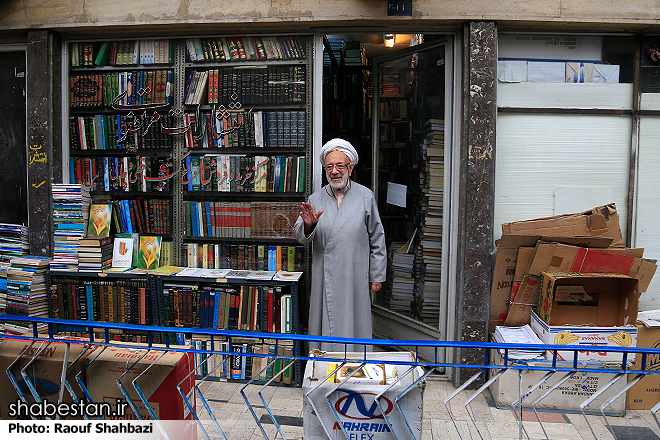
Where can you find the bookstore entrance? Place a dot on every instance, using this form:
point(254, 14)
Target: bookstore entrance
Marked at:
point(391, 96)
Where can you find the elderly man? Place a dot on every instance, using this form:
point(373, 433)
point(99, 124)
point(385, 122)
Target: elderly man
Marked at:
point(349, 259)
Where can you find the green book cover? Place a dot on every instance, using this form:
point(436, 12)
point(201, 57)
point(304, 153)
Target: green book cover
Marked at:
point(100, 217)
point(149, 252)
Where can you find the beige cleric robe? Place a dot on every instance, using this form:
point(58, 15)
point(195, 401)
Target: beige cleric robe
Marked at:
point(348, 252)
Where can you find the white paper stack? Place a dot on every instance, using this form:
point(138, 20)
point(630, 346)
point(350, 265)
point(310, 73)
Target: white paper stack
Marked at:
point(519, 335)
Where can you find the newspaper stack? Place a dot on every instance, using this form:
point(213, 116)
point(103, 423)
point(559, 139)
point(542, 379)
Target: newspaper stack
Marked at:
point(70, 217)
point(519, 335)
point(26, 291)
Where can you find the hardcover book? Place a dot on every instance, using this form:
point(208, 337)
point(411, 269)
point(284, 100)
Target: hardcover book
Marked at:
point(99, 220)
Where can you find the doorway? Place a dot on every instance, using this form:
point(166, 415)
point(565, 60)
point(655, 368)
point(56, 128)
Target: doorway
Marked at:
point(395, 104)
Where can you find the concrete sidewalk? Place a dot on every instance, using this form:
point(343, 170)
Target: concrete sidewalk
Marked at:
point(286, 403)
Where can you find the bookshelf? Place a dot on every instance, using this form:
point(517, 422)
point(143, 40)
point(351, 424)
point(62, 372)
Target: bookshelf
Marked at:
point(119, 96)
point(259, 306)
point(394, 141)
point(207, 137)
point(203, 140)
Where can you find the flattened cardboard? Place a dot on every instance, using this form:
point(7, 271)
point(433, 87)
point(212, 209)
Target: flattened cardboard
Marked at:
point(558, 257)
point(45, 372)
point(602, 221)
point(159, 383)
point(523, 301)
point(506, 264)
point(503, 275)
point(645, 394)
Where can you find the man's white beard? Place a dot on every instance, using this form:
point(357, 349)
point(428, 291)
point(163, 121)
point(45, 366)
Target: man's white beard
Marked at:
point(341, 185)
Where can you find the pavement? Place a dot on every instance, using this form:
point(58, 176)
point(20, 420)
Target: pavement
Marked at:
point(286, 404)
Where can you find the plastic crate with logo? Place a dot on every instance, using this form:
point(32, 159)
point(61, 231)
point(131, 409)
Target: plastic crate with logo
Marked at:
point(351, 404)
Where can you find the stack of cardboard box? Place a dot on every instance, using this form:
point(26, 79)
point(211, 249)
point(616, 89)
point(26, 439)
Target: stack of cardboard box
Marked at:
point(571, 278)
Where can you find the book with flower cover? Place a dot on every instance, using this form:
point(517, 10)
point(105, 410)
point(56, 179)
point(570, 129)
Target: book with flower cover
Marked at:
point(149, 252)
point(100, 216)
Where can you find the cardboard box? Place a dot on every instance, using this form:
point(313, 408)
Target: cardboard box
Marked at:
point(589, 337)
point(646, 393)
point(159, 383)
point(602, 221)
point(355, 402)
point(560, 257)
point(568, 396)
point(45, 372)
point(614, 300)
point(511, 248)
point(506, 264)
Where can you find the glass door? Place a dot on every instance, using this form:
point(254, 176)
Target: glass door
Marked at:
point(412, 112)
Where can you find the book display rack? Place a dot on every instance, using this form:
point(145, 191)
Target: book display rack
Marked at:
point(193, 138)
point(257, 305)
point(204, 142)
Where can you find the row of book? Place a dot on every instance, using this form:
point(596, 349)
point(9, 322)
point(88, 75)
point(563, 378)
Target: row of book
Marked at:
point(132, 301)
point(275, 129)
point(119, 132)
point(143, 216)
point(70, 220)
point(266, 84)
point(240, 307)
point(126, 301)
point(123, 52)
point(238, 48)
point(251, 358)
point(241, 219)
point(137, 87)
point(243, 256)
point(127, 173)
point(236, 173)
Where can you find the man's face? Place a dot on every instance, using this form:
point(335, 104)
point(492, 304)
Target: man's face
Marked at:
point(338, 169)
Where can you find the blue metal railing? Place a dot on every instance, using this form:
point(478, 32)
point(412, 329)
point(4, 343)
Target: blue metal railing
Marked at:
point(497, 367)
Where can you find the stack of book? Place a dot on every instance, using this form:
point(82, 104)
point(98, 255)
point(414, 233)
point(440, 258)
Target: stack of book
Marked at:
point(70, 217)
point(26, 291)
point(428, 289)
point(14, 241)
point(354, 54)
point(95, 254)
point(337, 49)
point(401, 274)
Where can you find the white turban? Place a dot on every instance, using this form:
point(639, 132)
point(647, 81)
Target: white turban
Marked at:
point(337, 144)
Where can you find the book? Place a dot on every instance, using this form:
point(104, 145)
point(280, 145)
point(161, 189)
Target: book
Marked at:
point(283, 275)
point(99, 220)
point(122, 253)
point(149, 252)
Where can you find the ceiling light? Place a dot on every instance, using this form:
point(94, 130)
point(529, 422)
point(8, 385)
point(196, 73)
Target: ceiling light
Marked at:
point(389, 40)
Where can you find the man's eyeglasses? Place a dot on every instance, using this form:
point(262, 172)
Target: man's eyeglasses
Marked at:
point(340, 167)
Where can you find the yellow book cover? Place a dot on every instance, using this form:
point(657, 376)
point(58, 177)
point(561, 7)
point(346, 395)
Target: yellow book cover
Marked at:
point(99, 220)
point(149, 252)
